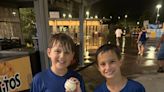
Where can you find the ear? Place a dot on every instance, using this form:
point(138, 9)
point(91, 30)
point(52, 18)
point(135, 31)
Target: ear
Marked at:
point(120, 62)
point(48, 52)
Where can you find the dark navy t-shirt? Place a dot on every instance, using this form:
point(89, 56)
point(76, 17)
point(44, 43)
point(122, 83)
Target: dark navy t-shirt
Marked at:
point(143, 37)
point(47, 81)
point(131, 86)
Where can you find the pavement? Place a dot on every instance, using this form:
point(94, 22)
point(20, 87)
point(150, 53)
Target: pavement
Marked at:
point(140, 68)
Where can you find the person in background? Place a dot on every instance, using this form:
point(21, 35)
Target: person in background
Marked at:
point(61, 51)
point(160, 55)
point(118, 34)
point(141, 41)
point(108, 60)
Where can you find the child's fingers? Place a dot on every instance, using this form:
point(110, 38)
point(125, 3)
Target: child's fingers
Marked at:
point(78, 88)
point(74, 79)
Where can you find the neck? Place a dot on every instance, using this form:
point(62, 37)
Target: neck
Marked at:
point(59, 72)
point(116, 84)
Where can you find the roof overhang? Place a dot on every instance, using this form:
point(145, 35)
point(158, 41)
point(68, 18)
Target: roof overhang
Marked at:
point(87, 2)
point(17, 3)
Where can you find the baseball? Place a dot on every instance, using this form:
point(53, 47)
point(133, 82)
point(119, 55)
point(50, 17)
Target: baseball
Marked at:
point(70, 85)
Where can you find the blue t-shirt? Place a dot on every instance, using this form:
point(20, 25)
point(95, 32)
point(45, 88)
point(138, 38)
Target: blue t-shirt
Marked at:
point(47, 81)
point(131, 86)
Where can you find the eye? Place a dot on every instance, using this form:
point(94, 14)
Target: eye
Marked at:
point(112, 61)
point(57, 51)
point(67, 52)
point(102, 64)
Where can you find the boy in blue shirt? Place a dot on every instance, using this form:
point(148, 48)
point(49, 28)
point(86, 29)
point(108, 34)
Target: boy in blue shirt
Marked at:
point(108, 59)
point(61, 51)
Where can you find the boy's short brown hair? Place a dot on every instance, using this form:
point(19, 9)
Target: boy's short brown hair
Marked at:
point(108, 47)
point(65, 40)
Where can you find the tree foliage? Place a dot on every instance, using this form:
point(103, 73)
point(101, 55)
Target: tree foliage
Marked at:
point(27, 17)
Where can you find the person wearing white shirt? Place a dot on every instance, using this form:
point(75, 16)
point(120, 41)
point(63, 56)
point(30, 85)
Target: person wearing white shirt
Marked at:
point(118, 34)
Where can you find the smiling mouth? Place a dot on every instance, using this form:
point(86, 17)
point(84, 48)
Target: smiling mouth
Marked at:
point(109, 72)
point(61, 62)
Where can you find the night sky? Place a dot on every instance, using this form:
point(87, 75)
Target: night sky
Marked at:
point(133, 8)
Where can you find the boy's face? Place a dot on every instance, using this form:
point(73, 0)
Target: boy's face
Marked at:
point(59, 57)
point(109, 64)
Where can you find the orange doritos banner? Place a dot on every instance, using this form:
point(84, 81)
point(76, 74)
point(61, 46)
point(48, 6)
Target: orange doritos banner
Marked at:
point(15, 74)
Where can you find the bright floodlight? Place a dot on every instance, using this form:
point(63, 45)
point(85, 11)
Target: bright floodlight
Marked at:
point(96, 16)
point(69, 15)
point(126, 16)
point(64, 15)
point(87, 12)
point(138, 22)
point(158, 15)
point(13, 13)
point(119, 17)
point(158, 6)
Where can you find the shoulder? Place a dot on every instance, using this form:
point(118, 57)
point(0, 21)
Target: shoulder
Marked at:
point(135, 85)
point(38, 81)
point(101, 88)
point(39, 77)
point(140, 32)
point(134, 82)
